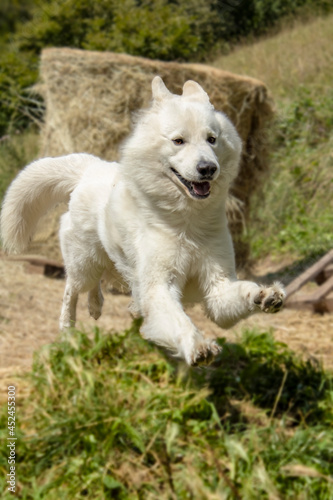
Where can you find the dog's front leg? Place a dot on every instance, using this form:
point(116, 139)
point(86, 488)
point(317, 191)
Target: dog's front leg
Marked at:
point(157, 294)
point(166, 324)
point(227, 301)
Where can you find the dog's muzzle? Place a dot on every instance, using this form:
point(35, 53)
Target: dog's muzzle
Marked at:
point(199, 189)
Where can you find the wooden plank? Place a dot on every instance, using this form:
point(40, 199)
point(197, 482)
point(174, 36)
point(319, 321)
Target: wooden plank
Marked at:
point(328, 271)
point(31, 269)
point(322, 291)
point(303, 303)
point(310, 273)
point(36, 260)
point(329, 303)
point(41, 265)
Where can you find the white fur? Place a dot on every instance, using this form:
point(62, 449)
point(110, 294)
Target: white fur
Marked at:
point(137, 221)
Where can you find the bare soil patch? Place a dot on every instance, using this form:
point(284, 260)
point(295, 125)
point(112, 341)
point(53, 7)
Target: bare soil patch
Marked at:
point(30, 305)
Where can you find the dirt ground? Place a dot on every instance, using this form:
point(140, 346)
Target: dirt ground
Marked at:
point(30, 305)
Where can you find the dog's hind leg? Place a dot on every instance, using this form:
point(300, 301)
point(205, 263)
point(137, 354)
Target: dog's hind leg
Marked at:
point(68, 310)
point(84, 270)
point(95, 301)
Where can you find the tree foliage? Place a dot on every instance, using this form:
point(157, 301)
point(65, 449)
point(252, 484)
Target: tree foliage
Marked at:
point(13, 12)
point(152, 28)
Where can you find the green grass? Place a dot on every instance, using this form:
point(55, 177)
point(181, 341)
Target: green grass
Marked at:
point(293, 214)
point(112, 417)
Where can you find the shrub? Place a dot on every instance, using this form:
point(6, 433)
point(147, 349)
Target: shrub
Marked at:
point(158, 29)
point(12, 12)
point(18, 72)
point(236, 19)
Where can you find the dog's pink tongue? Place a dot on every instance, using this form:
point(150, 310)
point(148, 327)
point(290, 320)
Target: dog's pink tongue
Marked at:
point(201, 188)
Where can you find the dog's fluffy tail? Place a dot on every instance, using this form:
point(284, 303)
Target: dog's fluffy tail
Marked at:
point(41, 185)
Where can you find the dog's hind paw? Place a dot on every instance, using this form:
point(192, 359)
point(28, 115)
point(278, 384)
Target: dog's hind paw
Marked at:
point(205, 353)
point(95, 302)
point(270, 299)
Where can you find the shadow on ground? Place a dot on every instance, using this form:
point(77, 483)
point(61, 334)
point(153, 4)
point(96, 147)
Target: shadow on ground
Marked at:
point(270, 376)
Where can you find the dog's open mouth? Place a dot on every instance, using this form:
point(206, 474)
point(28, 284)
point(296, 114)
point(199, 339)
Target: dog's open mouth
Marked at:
point(198, 190)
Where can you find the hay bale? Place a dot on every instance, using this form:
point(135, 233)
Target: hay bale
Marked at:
point(91, 96)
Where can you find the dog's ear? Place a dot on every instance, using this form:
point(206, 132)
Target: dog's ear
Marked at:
point(194, 91)
point(159, 90)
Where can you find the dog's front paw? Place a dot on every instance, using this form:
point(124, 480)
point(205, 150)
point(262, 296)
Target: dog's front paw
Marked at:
point(205, 352)
point(270, 299)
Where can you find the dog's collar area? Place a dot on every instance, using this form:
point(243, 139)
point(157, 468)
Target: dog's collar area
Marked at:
point(198, 190)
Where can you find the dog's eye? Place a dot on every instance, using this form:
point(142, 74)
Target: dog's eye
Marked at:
point(178, 141)
point(211, 140)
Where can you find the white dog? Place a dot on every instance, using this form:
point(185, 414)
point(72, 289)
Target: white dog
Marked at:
point(156, 221)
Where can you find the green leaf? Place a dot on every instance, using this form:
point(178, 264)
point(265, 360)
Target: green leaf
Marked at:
point(111, 483)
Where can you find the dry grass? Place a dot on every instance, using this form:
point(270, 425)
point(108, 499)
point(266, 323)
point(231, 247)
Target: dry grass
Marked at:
point(289, 59)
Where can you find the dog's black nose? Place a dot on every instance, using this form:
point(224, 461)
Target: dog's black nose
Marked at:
point(206, 169)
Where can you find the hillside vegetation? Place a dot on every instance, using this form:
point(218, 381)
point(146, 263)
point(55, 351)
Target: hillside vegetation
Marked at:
point(158, 29)
point(112, 418)
point(295, 213)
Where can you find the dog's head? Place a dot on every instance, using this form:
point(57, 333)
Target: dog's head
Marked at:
point(186, 143)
